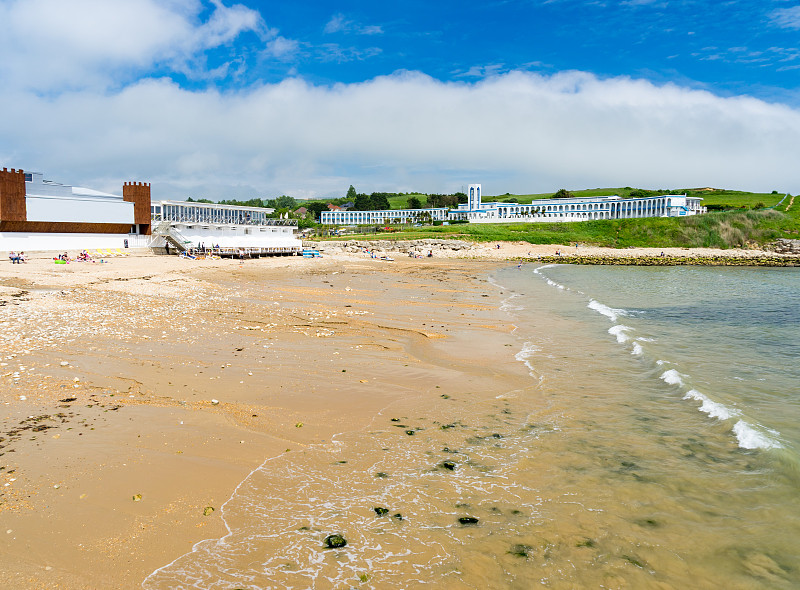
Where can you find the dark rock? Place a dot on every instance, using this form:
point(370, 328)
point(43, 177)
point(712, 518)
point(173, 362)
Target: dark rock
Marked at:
point(381, 475)
point(521, 550)
point(467, 520)
point(68, 399)
point(334, 541)
point(449, 465)
point(381, 511)
point(397, 516)
point(411, 432)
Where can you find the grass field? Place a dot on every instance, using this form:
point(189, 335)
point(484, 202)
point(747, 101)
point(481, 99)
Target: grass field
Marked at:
point(401, 201)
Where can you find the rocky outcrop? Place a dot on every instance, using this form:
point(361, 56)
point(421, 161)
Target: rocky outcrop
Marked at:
point(719, 260)
point(785, 246)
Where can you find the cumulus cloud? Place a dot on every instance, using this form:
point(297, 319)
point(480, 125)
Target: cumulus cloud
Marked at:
point(83, 43)
point(516, 132)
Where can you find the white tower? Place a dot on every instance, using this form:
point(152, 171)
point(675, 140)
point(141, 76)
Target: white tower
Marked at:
point(474, 197)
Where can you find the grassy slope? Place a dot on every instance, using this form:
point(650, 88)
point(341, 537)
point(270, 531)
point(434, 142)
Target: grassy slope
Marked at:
point(724, 229)
point(401, 201)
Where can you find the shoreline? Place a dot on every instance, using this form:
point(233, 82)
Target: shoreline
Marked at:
point(560, 254)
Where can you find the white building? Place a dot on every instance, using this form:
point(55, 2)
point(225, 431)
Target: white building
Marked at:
point(543, 210)
point(38, 214)
point(188, 224)
point(583, 209)
point(384, 216)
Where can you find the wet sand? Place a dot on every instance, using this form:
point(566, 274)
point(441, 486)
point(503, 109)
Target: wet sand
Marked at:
point(137, 394)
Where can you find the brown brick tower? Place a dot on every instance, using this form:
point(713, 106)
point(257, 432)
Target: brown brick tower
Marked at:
point(12, 197)
point(138, 193)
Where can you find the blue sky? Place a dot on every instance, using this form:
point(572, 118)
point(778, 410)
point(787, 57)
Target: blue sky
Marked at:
point(729, 47)
point(236, 99)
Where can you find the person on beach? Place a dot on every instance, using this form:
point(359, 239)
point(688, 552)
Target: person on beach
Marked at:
point(21, 257)
point(13, 257)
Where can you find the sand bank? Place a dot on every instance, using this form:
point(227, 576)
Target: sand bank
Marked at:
point(137, 394)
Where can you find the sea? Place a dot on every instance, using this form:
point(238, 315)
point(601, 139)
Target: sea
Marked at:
point(653, 442)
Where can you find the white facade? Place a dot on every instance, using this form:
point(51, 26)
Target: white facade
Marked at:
point(587, 208)
point(53, 202)
point(474, 197)
point(57, 242)
point(382, 216)
point(227, 226)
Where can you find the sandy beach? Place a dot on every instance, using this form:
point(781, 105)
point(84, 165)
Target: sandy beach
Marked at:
point(137, 394)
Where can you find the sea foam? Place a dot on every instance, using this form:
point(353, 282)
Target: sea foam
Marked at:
point(528, 350)
point(636, 349)
point(750, 438)
point(607, 311)
point(619, 331)
point(710, 407)
point(672, 377)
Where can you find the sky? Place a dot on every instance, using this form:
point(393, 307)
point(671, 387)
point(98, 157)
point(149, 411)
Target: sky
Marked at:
point(223, 99)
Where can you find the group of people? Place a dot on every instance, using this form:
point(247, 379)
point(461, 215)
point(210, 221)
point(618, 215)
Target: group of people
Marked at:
point(83, 256)
point(17, 257)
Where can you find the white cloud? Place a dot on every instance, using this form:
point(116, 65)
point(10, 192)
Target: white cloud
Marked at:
point(282, 48)
point(337, 24)
point(80, 43)
point(340, 24)
point(788, 18)
point(514, 132)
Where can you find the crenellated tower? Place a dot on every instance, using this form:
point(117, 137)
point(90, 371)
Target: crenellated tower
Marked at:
point(12, 196)
point(138, 193)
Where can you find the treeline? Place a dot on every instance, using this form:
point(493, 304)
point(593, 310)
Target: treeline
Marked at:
point(451, 201)
point(372, 202)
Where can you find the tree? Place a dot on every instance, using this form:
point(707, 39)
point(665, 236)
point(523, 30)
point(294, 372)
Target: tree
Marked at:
point(284, 202)
point(563, 193)
point(442, 200)
point(414, 203)
point(379, 201)
point(316, 208)
point(361, 202)
point(351, 194)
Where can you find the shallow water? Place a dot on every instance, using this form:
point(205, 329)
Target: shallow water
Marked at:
point(651, 441)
